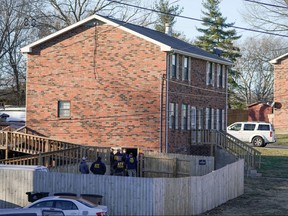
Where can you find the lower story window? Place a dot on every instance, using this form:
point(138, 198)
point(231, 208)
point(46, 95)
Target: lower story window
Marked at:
point(63, 108)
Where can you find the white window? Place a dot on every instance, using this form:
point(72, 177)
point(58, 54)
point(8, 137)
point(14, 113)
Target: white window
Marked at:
point(223, 120)
point(63, 108)
point(200, 118)
point(184, 117)
point(185, 71)
point(220, 75)
point(172, 115)
point(174, 66)
point(207, 122)
point(218, 119)
point(210, 73)
point(212, 118)
point(193, 117)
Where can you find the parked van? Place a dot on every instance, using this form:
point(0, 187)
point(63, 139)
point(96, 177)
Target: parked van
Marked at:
point(257, 133)
point(24, 167)
point(31, 212)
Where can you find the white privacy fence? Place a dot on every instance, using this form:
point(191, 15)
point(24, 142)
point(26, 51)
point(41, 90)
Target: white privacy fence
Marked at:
point(131, 196)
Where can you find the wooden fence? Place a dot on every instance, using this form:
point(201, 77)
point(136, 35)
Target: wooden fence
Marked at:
point(128, 195)
point(155, 164)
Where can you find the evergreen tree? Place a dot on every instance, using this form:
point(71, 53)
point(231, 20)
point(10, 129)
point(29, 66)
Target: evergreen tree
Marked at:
point(217, 33)
point(167, 16)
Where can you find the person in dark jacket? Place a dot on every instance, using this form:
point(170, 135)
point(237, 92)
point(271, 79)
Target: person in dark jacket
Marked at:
point(131, 165)
point(119, 167)
point(83, 167)
point(98, 167)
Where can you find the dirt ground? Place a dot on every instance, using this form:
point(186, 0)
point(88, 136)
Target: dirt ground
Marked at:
point(262, 196)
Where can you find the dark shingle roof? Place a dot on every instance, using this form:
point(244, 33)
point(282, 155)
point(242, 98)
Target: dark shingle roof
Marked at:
point(168, 40)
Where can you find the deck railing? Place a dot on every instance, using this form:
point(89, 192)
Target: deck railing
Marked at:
point(33, 144)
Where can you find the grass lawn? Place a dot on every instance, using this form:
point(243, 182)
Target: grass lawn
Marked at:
point(274, 162)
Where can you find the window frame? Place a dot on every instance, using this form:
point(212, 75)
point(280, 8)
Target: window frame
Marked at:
point(62, 110)
point(185, 68)
point(184, 116)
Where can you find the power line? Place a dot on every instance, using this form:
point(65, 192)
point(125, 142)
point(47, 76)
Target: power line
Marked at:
point(200, 20)
point(272, 5)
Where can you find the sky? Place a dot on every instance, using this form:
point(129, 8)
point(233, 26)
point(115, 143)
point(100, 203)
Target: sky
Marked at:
point(231, 9)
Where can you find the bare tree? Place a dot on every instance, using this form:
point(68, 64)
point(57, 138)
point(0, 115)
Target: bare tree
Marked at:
point(271, 16)
point(13, 35)
point(53, 15)
point(255, 77)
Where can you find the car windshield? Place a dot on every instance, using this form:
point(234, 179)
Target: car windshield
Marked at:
point(90, 205)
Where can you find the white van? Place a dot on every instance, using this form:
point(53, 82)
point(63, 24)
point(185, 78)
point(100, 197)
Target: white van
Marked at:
point(24, 167)
point(257, 133)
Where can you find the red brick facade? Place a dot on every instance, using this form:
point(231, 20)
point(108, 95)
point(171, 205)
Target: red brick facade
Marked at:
point(114, 83)
point(281, 95)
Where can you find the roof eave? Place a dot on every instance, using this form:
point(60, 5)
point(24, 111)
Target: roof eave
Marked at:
point(276, 60)
point(204, 57)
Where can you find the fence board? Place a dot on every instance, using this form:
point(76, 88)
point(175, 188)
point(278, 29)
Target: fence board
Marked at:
point(131, 196)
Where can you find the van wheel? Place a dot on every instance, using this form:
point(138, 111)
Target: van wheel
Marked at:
point(258, 141)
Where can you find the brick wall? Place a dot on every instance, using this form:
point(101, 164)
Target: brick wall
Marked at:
point(281, 96)
point(113, 82)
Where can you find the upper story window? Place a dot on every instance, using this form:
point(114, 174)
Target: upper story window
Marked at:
point(210, 73)
point(64, 109)
point(185, 74)
point(173, 73)
point(220, 76)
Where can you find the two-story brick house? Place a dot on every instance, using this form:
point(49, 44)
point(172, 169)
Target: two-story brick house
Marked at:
point(280, 93)
point(109, 83)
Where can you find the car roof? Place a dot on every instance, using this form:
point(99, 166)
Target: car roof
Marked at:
point(252, 122)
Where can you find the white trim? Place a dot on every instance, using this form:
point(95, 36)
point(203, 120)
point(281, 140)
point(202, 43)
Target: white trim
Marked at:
point(163, 47)
point(28, 48)
point(276, 60)
point(202, 57)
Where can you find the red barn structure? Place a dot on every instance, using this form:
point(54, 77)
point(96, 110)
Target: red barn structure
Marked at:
point(259, 112)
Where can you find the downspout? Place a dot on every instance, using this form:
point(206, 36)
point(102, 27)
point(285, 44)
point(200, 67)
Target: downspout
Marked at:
point(226, 104)
point(167, 102)
point(161, 114)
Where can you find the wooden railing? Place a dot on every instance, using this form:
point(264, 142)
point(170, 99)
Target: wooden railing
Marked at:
point(31, 144)
point(62, 158)
point(231, 144)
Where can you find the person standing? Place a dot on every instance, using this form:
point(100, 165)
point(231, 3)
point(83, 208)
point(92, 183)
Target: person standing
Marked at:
point(131, 164)
point(119, 167)
point(83, 167)
point(98, 167)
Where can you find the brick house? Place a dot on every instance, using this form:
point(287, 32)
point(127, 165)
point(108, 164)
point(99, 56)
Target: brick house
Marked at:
point(280, 93)
point(260, 111)
point(109, 83)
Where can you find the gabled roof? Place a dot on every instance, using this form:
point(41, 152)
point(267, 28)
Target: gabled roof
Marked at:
point(276, 60)
point(166, 42)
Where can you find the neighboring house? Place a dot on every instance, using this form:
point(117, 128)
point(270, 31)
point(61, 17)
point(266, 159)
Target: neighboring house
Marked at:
point(260, 111)
point(280, 93)
point(12, 116)
point(103, 82)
